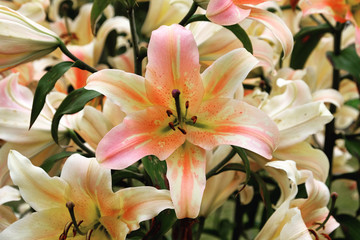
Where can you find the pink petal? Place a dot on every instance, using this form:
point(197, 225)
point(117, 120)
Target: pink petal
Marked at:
point(142, 133)
point(227, 121)
point(173, 64)
point(224, 76)
point(125, 89)
point(186, 175)
point(276, 25)
point(225, 12)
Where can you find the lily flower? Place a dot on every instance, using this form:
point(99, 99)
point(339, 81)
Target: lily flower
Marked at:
point(176, 113)
point(23, 40)
point(82, 195)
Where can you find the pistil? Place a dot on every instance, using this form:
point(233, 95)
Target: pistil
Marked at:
point(176, 93)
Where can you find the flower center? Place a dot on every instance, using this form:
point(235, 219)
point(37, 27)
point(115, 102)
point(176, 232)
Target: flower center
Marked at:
point(179, 119)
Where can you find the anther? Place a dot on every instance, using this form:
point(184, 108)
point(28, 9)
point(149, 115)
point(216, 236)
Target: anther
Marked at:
point(88, 234)
point(182, 130)
point(63, 236)
point(171, 125)
point(194, 119)
point(326, 236)
point(312, 231)
point(169, 113)
point(187, 104)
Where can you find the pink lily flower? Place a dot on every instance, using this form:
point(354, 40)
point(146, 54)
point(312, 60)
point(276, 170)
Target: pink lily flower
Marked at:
point(176, 113)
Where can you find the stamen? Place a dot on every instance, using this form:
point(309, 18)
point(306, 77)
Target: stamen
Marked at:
point(70, 206)
point(194, 119)
point(88, 234)
point(64, 234)
point(169, 113)
point(74, 230)
point(171, 125)
point(326, 236)
point(333, 196)
point(312, 231)
point(186, 108)
point(182, 130)
point(176, 93)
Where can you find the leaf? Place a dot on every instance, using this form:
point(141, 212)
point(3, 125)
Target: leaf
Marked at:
point(73, 103)
point(235, 29)
point(49, 162)
point(265, 195)
point(45, 85)
point(348, 60)
point(305, 41)
point(161, 224)
point(349, 225)
point(96, 10)
point(355, 103)
point(156, 170)
point(353, 146)
point(119, 175)
point(246, 162)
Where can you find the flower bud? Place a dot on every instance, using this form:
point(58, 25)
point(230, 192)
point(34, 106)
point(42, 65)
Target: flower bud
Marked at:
point(23, 40)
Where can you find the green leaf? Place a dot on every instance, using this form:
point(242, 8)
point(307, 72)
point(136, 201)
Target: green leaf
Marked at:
point(246, 162)
point(45, 85)
point(73, 103)
point(119, 175)
point(355, 103)
point(265, 195)
point(349, 225)
point(305, 42)
point(97, 8)
point(49, 162)
point(156, 170)
point(353, 146)
point(161, 224)
point(235, 29)
point(348, 60)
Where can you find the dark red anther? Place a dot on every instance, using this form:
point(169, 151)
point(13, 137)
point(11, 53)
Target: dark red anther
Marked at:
point(171, 125)
point(187, 104)
point(194, 119)
point(62, 236)
point(88, 234)
point(182, 130)
point(169, 113)
point(312, 231)
point(326, 236)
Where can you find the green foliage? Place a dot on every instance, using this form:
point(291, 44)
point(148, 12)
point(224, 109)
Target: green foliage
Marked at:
point(348, 60)
point(45, 85)
point(350, 226)
point(50, 161)
point(96, 10)
point(73, 103)
point(305, 42)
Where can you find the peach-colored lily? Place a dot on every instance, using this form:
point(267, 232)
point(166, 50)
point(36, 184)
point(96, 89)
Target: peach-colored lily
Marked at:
point(176, 114)
point(229, 12)
point(87, 186)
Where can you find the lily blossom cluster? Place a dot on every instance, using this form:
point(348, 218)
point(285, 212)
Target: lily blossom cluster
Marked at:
point(156, 119)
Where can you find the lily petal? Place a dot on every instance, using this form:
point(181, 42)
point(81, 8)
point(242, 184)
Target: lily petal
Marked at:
point(225, 12)
point(276, 25)
point(173, 64)
point(36, 187)
point(125, 89)
point(142, 133)
point(224, 76)
point(227, 121)
point(142, 203)
point(186, 175)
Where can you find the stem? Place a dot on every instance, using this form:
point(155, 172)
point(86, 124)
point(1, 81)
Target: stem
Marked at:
point(135, 41)
point(330, 135)
point(238, 215)
point(76, 140)
point(191, 12)
point(80, 64)
point(200, 228)
point(213, 171)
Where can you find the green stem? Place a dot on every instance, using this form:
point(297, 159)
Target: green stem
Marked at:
point(135, 41)
point(330, 135)
point(238, 217)
point(213, 171)
point(80, 64)
point(76, 140)
point(200, 228)
point(191, 12)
